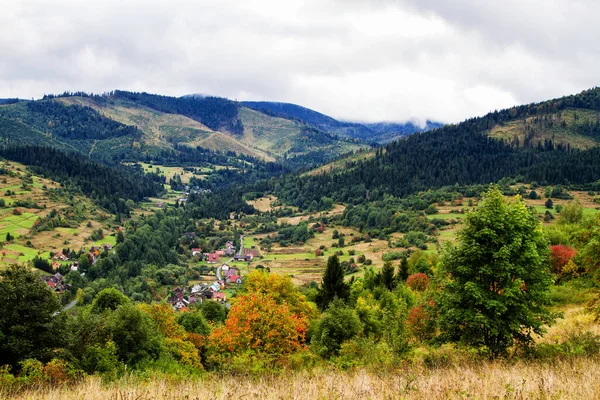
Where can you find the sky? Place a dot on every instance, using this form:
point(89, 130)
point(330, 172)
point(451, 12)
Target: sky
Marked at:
point(368, 61)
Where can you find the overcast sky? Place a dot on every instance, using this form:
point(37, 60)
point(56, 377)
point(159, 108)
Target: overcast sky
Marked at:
point(356, 60)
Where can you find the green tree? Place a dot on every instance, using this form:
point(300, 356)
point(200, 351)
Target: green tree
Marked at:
point(549, 203)
point(571, 213)
point(108, 299)
point(136, 337)
point(30, 325)
point(120, 237)
point(387, 276)
point(498, 277)
point(84, 262)
point(402, 274)
point(213, 312)
point(338, 324)
point(193, 322)
point(333, 284)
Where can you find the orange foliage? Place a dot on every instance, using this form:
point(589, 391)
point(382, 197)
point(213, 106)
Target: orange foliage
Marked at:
point(257, 322)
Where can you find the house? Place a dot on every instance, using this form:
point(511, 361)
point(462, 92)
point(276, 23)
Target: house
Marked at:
point(55, 282)
point(55, 265)
point(107, 246)
point(246, 258)
point(234, 279)
point(196, 289)
point(221, 297)
point(196, 251)
point(212, 258)
point(252, 252)
point(229, 271)
point(220, 253)
point(60, 256)
point(215, 287)
point(75, 266)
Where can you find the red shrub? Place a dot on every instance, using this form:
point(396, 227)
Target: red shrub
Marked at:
point(418, 281)
point(560, 255)
point(421, 321)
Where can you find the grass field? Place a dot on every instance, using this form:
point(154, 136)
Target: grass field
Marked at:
point(569, 379)
point(16, 225)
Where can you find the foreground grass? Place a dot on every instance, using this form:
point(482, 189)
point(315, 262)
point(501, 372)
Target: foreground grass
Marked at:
point(576, 378)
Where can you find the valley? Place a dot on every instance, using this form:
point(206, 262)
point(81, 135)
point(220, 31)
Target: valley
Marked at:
point(304, 253)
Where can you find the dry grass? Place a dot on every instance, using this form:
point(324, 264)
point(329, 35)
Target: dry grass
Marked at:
point(564, 379)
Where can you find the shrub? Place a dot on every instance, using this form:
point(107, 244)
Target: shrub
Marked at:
point(560, 255)
point(418, 281)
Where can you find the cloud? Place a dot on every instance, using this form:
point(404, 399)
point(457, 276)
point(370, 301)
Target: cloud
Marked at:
point(354, 60)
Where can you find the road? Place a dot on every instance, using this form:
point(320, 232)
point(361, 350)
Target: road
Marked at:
point(66, 308)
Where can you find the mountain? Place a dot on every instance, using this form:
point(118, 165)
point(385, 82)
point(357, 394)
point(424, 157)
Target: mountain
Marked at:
point(139, 126)
point(381, 132)
point(559, 145)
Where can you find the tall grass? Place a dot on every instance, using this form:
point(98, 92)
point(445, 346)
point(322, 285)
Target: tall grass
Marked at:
point(574, 378)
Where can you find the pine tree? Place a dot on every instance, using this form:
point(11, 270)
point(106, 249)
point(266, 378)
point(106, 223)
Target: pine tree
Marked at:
point(333, 284)
point(387, 276)
point(402, 274)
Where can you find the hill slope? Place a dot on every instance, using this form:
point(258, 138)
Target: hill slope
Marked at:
point(465, 154)
point(381, 132)
point(140, 126)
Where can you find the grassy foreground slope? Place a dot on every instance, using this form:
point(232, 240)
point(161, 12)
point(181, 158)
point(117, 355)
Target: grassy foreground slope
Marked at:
point(568, 379)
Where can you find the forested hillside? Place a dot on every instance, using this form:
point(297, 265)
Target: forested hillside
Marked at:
point(459, 154)
point(127, 126)
point(109, 186)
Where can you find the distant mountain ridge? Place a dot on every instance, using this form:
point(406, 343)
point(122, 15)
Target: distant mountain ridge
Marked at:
point(130, 126)
point(380, 132)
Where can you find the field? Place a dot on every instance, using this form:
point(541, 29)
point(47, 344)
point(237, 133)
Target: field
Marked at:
point(26, 246)
point(578, 378)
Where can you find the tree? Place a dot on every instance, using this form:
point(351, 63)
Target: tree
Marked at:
point(120, 237)
point(549, 203)
point(256, 323)
point(333, 284)
point(338, 324)
point(9, 237)
point(402, 274)
point(387, 276)
point(281, 289)
point(108, 299)
point(213, 312)
point(497, 277)
point(134, 334)
point(571, 213)
point(30, 326)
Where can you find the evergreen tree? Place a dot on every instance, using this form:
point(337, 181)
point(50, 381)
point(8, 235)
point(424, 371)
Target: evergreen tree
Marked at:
point(498, 278)
point(333, 284)
point(120, 237)
point(402, 274)
point(387, 276)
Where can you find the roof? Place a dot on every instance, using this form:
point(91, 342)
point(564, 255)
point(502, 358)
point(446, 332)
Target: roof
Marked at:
point(234, 277)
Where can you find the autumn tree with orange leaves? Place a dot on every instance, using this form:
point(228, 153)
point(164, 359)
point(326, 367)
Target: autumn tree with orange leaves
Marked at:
point(258, 324)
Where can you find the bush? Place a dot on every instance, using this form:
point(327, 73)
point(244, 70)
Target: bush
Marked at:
point(418, 282)
point(560, 255)
point(568, 294)
point(338, 324)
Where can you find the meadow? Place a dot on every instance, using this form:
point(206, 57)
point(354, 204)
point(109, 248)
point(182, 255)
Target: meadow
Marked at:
point(564, 379)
